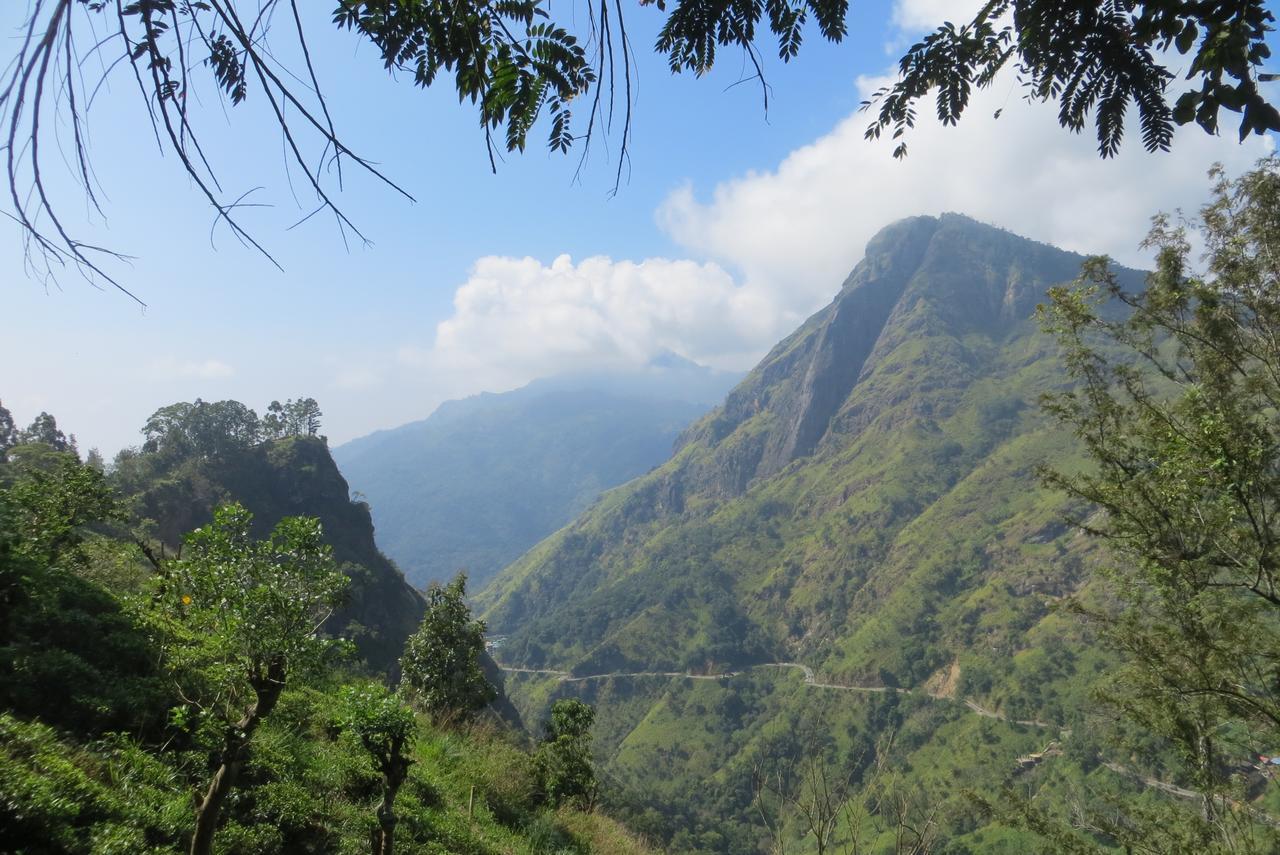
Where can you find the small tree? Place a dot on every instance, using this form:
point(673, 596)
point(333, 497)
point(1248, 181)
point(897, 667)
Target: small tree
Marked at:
point(387, 730)
point(564, 758)
point(244, 616)
point(441, 663)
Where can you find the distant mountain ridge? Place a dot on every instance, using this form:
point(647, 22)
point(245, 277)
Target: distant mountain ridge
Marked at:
point(863, 503)
point(484, 478)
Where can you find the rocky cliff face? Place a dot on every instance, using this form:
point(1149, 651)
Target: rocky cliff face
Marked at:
point(921, 277)
point(294, 477)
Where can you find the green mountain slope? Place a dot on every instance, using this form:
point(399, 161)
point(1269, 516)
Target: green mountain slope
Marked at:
point(274, 479)
point(485, 478)
point(864, 503)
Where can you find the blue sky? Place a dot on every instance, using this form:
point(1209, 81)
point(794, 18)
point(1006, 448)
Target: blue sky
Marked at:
point(729, 228)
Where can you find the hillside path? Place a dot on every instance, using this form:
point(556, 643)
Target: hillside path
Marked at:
point(810, 679)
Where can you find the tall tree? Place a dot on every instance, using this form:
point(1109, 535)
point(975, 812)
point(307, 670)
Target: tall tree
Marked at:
point(8, 432)
point(244, 617)
point(44, 429)
point(273, 423)
point(441, 664)
point(515, 64)
point(202, 428)
point(1178, 408)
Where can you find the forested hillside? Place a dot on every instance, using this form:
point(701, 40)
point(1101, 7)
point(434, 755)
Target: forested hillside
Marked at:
point(165, 690)
point(865, 504)
point(196, 456)
point(485, 478)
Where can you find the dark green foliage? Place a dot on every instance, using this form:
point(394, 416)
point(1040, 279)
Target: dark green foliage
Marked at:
point(44, 430)
point(69, 651)
point(248, 613)
point(1096, 58)
point(8, 432)
point(120, 677)
point(564, 757)
point(386, 729)
point(1181, 426)
point(510, 78)
point(441, 666)
point(204, 429)
point(59, 797)
point(292, 418)
point(202, 455)
point(242, 618)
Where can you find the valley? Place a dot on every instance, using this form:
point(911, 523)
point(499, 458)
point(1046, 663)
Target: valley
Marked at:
point(848, 590)
point(749, 427)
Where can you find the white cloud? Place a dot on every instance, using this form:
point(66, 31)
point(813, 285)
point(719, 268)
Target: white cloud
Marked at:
point(796, 231)
point(921, 15)
point(517, 318)
point(180, 369)
point(774, 246)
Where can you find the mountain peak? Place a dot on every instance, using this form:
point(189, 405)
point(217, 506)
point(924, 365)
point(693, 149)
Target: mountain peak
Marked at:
point(923, 279)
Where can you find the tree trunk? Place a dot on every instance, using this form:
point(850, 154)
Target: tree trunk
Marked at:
point(386, 822)
point(235, 750)
point(394, 771)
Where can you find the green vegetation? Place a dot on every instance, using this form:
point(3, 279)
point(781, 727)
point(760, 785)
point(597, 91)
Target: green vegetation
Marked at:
point(196, 456)
point(564, 757)
point(155, 704)
point(844, 617)
point(484, 479)
point(1183, 430)
point(867, 503)
point(244, 619)
point(387, 730)
point(441, 667)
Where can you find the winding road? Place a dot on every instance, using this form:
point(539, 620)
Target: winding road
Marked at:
point(810, 679)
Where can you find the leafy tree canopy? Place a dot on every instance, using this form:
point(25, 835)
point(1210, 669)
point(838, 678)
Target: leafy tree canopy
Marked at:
point(1177, 408)
point(207, 429)
point(441, 664)
point(243, 617)
point(515, 62)
point(251, 610)
point(8, 432)
point(1097, 59)
point(387, 729)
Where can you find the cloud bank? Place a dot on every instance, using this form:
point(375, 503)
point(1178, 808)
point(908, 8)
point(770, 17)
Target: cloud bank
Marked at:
point(796, 230)
point(517, 318)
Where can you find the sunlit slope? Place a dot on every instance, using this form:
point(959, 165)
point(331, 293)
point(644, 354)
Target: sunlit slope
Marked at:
point(864, 501)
